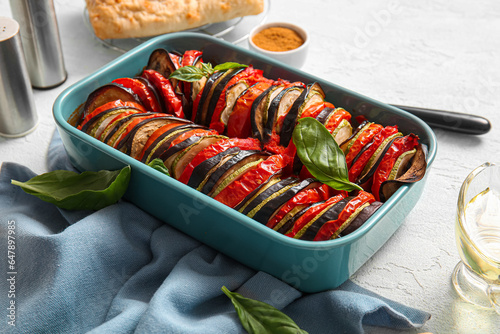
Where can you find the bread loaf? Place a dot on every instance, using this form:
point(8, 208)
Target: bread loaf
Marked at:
point(143, 18)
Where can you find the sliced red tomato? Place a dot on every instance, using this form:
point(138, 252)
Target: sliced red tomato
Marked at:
point(237, 190)
point(312, 212)
point(139, 88)
point(330, 228)
point(249, 75)
point(172, 101)
point(192, 133)
point(314, 109)
point(338, 116)
point(359, 164)
point(214, 149)
point(110, 105)
point(304, 197)
point(131, 125)
point(100, 133)
point(239, 124)
point(155, 135)
point(363, 139)
point(398, 147)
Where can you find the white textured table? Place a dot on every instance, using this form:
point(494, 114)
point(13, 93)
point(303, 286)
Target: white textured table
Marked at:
point(436, 54)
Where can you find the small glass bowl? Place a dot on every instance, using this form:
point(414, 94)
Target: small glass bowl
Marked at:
point(296, 57)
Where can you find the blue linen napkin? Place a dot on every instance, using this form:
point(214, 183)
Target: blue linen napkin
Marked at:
point(120, 270)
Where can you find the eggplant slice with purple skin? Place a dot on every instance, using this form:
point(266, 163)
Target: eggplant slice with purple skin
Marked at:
point(278, 107)
point(230, 166)
point(414, 173)
point(183, 158)
point(361, 218)
point(108, 93)
point(331, 213)
point(205, 168)
point(312, 93)
point(165, 139)
point(219, 88)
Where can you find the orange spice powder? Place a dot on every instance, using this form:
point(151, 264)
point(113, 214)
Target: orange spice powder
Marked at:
point(278, 39)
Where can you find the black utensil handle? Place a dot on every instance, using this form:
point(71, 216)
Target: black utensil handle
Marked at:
point(449, 120)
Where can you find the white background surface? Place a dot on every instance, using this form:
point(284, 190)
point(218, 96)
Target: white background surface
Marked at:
point(436, 54)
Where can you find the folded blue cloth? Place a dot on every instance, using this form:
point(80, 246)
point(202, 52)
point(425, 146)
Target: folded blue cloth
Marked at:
point(120, 270)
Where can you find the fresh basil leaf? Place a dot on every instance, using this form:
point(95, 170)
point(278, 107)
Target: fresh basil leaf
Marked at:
point(187, 73)
point(258, 317)
point(322, 156)
point(228, 66)
point(207, 69)
point(74, 191)
point(159, 166)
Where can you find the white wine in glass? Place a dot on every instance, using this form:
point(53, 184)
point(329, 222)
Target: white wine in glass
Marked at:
point(477, 277)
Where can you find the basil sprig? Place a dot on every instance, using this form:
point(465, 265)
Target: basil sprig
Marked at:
point(159, 165)
point(73, 191)
point(258, 317)
point(322, 156)
point(193, 73)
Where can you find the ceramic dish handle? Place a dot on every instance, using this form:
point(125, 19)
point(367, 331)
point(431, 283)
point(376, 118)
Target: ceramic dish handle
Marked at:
point(449, 120)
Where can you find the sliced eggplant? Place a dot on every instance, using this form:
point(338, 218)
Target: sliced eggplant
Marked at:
point(232, 94)
point(188, 154)
point(361, 218)
point(206, 167)
point(161, 61)
point(206, 94)
point(330, 213)
point(135, 140)
point(93, 123)
point(235, 174)
point(374, 161)
point(259, 111)
point(269, 211)
point(278, 108)
point(324, 115)
point(108, 93)
point(346, 145)
point(312, 94)
point(163, 141)
point(242, 158)
point(275, 189)
point(219, 88)
point(272, 180)
point(288, 222)
point(114, 132)
point(179, 142)
point(415, 172)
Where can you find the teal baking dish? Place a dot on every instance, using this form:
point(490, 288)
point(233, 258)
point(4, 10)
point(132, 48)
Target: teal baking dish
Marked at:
point(306, 265)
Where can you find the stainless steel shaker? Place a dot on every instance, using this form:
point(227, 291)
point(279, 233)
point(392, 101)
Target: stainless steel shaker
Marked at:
point(17, 106)
point(41, 41)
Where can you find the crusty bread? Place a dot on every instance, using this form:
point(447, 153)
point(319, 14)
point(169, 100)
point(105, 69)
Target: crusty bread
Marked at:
point(143, 18)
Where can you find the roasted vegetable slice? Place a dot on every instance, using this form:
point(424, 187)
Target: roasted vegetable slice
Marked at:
point(171, 100)
point(239, 123)
point(237, 190)
point(145, 93)
point(416, 172)
point(212, 150)
point(332, 228)
point(388, 162)
point(107, 93)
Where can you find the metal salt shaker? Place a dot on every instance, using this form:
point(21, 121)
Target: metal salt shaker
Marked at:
point(18, 114)
point(41, 41)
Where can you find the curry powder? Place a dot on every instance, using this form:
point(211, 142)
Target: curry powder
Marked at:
point(278, 39)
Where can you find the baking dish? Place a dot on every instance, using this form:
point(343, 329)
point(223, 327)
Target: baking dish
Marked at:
point(306, 265)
